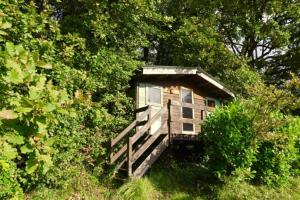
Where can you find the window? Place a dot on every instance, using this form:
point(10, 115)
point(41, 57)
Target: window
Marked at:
point(154, 95)
point(186, 96)
point(211, 103)
point(187, 112)
point(189, 127)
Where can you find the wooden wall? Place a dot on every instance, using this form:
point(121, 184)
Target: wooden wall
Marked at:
point(172, 91)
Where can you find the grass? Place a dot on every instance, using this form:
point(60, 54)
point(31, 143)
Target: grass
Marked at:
point(184, 182)
point(83, 186)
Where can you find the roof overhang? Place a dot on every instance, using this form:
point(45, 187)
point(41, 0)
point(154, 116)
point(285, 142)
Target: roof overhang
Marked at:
point(174, 70)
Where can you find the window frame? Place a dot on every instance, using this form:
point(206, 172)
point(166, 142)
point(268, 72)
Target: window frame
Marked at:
point(149, 85)
point(181, 111)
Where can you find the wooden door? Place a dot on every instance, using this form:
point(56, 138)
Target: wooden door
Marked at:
point(150, 94)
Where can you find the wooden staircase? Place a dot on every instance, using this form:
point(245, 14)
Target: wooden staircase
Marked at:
point(134, 150)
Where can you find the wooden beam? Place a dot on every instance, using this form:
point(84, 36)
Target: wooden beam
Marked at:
point(129, 128)
point(129, 157)
point(116, 156)
point(140, 132)
point(146, 164)
point(186, 120)
point(147, 144)
point(142, 109)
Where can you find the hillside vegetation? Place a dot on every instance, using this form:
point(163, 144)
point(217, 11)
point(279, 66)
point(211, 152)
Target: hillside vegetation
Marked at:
point(65, 70)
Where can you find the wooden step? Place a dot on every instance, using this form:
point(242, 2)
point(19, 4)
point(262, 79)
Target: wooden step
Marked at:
point(154, 155)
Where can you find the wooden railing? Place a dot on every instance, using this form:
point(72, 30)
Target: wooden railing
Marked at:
point(134, 154)
point(125, 134)
point(124, 144)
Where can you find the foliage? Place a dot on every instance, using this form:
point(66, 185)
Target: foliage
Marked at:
point(233, 189)
point(9, 186)
point(81, 186)
point(250, 142)
point(28, 107)
point(65, 67)
point(277, 154)
point(229, 139)
point(93, 65)
point(138, 189)
point(241, 79)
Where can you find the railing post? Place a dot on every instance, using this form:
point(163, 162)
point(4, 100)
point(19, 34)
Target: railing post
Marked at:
point(149, 117)
point(110, 151)
point(205, 108)
point(169, 120)
point(129, 156)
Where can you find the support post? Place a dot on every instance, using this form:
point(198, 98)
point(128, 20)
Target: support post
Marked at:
point(169, 120)
point(205, 108)
point(110, 151)
point(129, 156)
point(149, 118)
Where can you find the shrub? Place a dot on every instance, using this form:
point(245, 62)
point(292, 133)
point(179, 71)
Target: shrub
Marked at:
point(246, 143)
point(277, 153)
point(9, 186)
point(229, 139)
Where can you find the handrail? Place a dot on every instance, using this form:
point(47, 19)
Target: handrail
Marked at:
point(129, 128)
point(140, 132)
point(148, 143)
point(142, 109)
point(116, 156)
point(113, 142)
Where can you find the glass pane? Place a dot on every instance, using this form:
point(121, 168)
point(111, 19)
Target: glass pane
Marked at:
point(211, 103)
point(154, 95)
point(187, 112)
point(188, 127)
point(186, 96)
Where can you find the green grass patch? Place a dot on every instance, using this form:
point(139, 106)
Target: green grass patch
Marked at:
point(82, 186)
point(184, 182)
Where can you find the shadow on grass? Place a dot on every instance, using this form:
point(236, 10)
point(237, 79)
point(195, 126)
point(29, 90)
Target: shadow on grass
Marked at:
point(183, 180)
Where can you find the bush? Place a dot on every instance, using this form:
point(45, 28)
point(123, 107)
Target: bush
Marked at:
point(9, 186)
point(239, 142)
point(229, 139)
point(277, 153)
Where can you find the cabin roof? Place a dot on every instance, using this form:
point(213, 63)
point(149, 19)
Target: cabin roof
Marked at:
point(198, 74)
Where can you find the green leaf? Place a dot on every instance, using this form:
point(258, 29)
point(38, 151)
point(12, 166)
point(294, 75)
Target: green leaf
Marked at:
point(20, 50)
point(10, 47)
point(12, 64)
point(4, 165)
point(49, 107)
point(31, 166)
point(9, 152)
point(26, 149)
point(14, 76)
point(8, 114)
point(2, 33)
point(34, 94)
point(6, 25)
point(44, 65)
point(24, 110)
point(14, 139)
point(42, 128)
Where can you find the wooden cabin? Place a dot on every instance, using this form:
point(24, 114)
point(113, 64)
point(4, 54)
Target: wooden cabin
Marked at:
point(171, 103)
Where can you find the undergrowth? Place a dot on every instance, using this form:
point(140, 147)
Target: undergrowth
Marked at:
point(178, 182)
